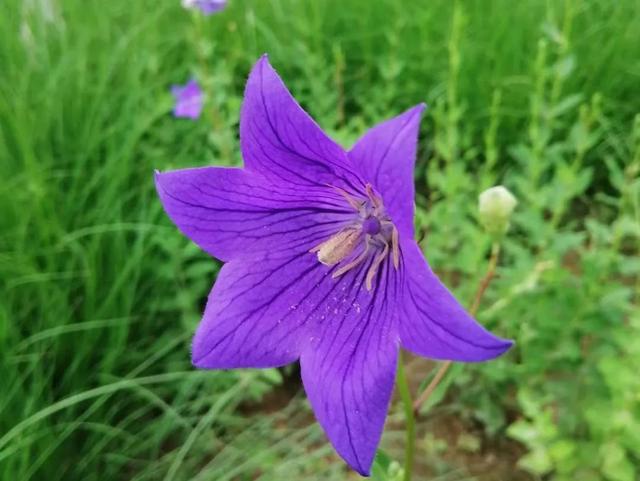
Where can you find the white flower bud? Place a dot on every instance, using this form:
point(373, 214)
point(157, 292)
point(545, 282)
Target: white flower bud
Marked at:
point(495, 206)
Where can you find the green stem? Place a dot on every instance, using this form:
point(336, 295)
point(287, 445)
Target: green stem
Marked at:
point(410, 420)
point(208, 79)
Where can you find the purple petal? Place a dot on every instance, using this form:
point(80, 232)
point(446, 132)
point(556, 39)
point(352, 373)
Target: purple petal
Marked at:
point(230, 212)
point(385, 156)
point(189, 100)
point(349, 361)
point(267, 308)
point(280, 140)
point(434, 324)
point(257, 311)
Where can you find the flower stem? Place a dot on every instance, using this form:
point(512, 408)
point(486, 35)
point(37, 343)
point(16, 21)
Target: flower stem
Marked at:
point(426, 394)
point(473, 310)
point(208, 80)
point(410, 420)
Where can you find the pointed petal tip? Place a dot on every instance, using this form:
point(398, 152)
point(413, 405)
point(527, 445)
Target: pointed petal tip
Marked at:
point(507, 344)
point(492, 350)
point(264, 70)
point(159, 179)
point(201, 348)
point(156, 178)
point(198, 354)
point(365, 473)
point(417, 109)
point(360, 462)
point(261, 67)
point(356, 464)
point(500, 347)
point(201, 363)
point(198, 363)
point(263, 60)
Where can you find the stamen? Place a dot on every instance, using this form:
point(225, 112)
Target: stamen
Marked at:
point(337, 247)
point(375, 200)
point(395, 247)
point(354, 263)
point(356, 204)
point(374, 267)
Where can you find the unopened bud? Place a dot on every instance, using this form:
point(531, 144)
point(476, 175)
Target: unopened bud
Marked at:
point(496, 205)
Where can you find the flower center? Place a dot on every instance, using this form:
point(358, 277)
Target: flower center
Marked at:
point(372, 234)
point(371, 225)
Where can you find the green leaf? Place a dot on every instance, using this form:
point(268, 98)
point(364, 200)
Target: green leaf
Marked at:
point(616, 465)
point(536, 461)
point(385, 468)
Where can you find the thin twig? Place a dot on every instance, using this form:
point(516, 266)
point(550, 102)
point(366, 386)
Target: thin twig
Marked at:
point(442, 370)
point(444, 367)
point(486, 280)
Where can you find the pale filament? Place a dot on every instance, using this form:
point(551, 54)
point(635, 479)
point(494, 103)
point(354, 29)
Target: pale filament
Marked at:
point(356, 262)
point(371, 273)
point(356, 204)
point(375, 200)
point(395, 246)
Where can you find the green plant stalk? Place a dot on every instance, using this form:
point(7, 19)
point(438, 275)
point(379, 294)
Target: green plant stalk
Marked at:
point(453, 107)
point(217, 122)
point(410, 420)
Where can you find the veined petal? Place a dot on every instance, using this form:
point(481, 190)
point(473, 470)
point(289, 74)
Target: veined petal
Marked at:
point(229, 212)
point(267, 308)
point(257, 310)
point(385, 156)
point(433, 323)
point(281, 141)
point(348, 364)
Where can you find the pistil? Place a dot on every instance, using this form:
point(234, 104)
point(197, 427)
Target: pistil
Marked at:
point(371, 226)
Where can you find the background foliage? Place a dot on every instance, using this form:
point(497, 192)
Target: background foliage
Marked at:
point(100, 293)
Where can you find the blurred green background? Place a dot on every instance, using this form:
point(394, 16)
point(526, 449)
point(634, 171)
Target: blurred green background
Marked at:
point(99, 293)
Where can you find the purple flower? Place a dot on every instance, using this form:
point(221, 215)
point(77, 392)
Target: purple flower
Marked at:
point(320, 262)
point(189, 100)
point(207, 7)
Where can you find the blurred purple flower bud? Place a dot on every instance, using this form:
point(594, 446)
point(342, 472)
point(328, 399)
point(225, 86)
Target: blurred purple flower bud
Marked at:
point(208, 7)
point(189, 100)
